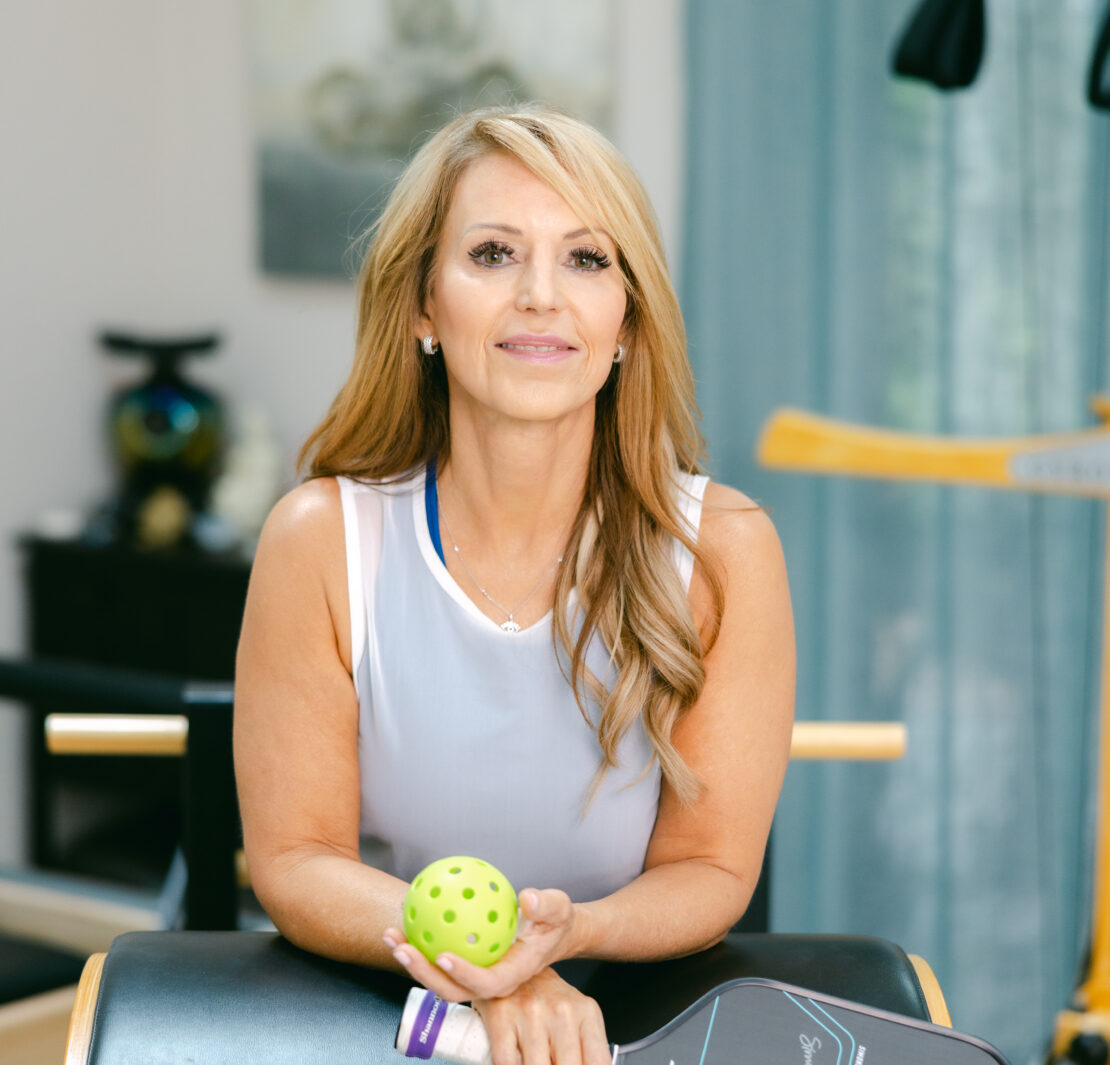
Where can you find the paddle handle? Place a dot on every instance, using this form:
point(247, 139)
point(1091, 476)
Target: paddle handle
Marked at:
point(447, 1031)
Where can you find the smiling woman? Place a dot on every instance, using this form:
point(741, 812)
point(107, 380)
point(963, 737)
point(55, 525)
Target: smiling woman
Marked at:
point(592, 687)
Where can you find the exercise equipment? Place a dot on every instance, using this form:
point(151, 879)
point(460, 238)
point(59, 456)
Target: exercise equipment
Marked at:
point(193, 721)
point(51, 922)
point(1075, 464)
point(252, 998)
point(210, 830)
point(749, 1019)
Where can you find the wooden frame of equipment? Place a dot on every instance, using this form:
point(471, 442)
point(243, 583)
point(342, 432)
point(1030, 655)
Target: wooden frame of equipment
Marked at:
point(1074, 464)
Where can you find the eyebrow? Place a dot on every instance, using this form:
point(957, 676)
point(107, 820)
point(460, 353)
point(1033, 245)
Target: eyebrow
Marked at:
point(513, 231)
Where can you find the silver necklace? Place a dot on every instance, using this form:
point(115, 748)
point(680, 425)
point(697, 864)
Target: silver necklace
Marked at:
point(510, 624)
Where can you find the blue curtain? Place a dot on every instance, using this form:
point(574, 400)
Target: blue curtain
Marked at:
point(873, 249)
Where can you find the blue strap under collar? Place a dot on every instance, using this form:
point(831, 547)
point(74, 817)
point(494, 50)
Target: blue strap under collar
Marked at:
point(431, 509)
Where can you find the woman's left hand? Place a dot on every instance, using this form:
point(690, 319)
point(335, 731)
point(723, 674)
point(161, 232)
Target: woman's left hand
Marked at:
point(545, 1022)
point(546, 934)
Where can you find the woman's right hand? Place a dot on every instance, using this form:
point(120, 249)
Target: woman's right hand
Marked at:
point(548, 932)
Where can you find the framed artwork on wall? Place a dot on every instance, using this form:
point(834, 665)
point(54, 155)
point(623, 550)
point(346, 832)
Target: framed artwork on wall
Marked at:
point(344, 91)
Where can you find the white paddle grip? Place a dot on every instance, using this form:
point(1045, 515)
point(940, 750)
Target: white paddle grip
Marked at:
point(447, 1031)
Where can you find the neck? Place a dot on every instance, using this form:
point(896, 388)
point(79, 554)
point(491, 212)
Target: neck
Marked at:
point(518, 490)
point(507, 504)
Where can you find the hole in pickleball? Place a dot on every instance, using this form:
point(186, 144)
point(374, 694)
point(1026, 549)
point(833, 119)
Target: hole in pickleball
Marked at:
point(492, 917)
point(493, 886)
point(449, 915)
point(468, 893)
point(412, 913)
point(427, 936)
point(454, 870)
point(419, 881)
point(472, 938)
point(435, 892)
point(493, 949)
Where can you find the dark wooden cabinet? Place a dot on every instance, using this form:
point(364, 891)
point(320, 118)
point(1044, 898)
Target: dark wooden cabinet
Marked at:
point(176, 613)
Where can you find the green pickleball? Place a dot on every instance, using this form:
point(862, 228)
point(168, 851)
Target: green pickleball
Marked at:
point(461, 905)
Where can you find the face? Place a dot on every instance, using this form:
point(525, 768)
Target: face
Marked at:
point(526, 303)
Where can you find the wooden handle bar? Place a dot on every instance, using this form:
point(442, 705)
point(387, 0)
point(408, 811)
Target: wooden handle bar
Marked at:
point(145, 734)
point(167, 735)
point(848, 740)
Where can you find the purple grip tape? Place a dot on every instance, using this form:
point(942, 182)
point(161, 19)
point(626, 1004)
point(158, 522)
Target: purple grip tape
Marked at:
point(425, 1029)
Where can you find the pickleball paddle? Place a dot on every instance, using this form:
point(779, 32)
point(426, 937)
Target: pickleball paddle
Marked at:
point(756, 1021)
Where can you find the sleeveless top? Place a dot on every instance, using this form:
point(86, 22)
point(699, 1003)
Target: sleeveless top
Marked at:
point(470, 741)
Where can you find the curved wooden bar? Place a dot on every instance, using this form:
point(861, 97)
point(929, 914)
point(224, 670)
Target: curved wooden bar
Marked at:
point(934, 997)
point(161, 735)
point(79, 1040)
point(168, 735)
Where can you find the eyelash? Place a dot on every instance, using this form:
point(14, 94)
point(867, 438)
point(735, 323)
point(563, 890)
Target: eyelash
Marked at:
point(483, 249)
point(600, 260)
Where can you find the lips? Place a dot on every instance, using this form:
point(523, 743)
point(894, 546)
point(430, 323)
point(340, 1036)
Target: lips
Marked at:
point(532, 345)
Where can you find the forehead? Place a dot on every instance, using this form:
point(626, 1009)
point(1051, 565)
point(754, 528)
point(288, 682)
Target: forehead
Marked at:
point(497, 189)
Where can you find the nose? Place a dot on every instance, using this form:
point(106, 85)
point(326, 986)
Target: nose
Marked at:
point(539, 287)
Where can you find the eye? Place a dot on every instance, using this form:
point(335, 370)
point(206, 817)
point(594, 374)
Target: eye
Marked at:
point(589, 259)
point(491, 253)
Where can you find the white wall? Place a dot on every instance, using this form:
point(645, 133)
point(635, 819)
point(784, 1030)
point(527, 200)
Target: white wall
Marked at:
point(126, 196)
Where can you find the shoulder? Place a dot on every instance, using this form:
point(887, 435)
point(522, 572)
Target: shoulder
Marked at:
point(740, 541)
point(737, 529)
point(300, 567)
point(308, 517)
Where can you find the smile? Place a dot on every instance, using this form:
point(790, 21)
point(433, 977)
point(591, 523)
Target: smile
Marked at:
point(537, 347)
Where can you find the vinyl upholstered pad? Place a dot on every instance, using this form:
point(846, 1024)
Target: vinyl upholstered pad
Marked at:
point(251, 998)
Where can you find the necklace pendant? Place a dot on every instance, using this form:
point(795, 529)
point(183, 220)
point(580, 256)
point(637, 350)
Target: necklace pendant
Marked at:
point(510, 625)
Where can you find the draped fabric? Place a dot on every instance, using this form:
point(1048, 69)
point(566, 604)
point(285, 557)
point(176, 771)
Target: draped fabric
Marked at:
point(873, 249)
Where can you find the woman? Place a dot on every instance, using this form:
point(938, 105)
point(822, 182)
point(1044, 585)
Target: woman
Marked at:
point(505, 617)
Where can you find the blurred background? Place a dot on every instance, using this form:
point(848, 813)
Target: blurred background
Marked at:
point(844, 240)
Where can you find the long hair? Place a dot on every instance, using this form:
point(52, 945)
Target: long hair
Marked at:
point(391, 416)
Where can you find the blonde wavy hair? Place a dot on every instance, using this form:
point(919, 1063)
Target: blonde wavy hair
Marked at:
point(391, 416)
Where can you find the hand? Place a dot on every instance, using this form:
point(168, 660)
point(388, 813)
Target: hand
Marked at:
point(546, 934)
point(543, 1021)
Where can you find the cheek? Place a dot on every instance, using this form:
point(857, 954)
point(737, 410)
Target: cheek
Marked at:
point(610, 314)
point(463, 305)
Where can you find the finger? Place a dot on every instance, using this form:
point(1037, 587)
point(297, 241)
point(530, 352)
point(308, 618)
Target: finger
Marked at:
point(595, 1043)
point(534, 1038)
point(431, 976)
point(493, 981)
point(393, 938)
point(503, 1046)
point(550, 907)
point(565, 1030)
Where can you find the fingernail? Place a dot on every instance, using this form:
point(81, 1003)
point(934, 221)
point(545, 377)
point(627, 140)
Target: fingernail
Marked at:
point(390, 942)
point(444, 963)
point(402, 958)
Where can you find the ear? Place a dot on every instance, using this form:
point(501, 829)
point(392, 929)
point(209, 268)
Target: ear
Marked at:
point(423, 327)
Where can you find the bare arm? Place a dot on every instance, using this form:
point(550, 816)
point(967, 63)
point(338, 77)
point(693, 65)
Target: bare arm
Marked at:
point(736, 739)
point(296, 730)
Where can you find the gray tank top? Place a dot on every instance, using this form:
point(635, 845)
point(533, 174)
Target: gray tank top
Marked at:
point(470, 741)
